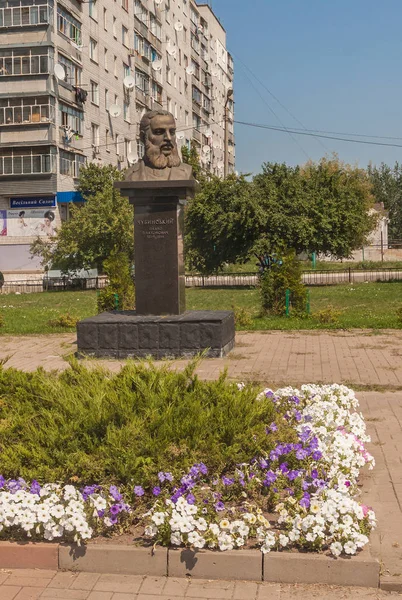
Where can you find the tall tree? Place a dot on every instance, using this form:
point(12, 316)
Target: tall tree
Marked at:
point(103, 224)
point(387, 188)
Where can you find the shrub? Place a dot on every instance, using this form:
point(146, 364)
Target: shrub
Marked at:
point(120, 286)
point(279, 278)
point(64, 320)
point(2, 322)
point(398, 315)
point(242, 317)
point(328, 316)
point(95, 426)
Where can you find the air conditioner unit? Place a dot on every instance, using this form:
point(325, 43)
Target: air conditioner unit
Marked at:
point(120, 157)
point(132, 51)
point(96, 149)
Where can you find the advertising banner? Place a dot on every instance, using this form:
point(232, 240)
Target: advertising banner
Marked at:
point(3, 222)
point(32, 201)
point(30, 223)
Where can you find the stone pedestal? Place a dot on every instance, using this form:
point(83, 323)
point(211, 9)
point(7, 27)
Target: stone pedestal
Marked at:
point(158, 242)
point(160, 326)
point(124, 334)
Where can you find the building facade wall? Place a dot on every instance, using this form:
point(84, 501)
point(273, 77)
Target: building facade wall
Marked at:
point(174, 49)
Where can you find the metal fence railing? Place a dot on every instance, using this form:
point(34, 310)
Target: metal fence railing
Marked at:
point(223, 280)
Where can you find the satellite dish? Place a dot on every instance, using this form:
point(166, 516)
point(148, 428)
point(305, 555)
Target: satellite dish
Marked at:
point(171, 49)
point(76, 46)
point(178, 26)
point(190, 69)
point(216, 145)
point(157, 65)
point(180, 135)
point(158, 2)
point(131, 157)
point(114, 110)
point(215, 72)
point(59, 71)
point(129, 82)
point(208, 133)
point(220, 165)
point(206, 149)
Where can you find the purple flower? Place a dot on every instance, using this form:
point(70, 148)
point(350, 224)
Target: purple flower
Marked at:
point(190, 499)
point(14, 485)
point(114, 492)
point(101, 513)
point(227, 481)
point(194, 471)
point(115, 509)
point(305, 486)
point(2, 481)
point(270, 478)
point(301, 454)
point(264, 464)
point(292, 475)
point(161, 476)
point(298, 416)
point(295, 399)
point(314, 473)
point(347, 483)
point(284, 467)
point(168, 477)
point(305, 434)
point(113, 519)
point(308, 418)
point(316, 455)
point(156, 491)
point(305, 501)
point(138, 490)
point(269, 394)
point(89, 490)
point(203, 469)
point(219, 506)
point(35, 487)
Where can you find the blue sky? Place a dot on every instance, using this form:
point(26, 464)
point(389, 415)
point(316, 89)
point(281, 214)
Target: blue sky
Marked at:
point(335, 65)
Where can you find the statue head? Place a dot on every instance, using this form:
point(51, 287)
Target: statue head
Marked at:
point(158, 133)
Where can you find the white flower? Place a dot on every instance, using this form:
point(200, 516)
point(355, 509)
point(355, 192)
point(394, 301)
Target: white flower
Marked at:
point(350, 548)
point(283, 540)
point(175, 538)
point(158, 518)
point(224, 524)
point(336, 548)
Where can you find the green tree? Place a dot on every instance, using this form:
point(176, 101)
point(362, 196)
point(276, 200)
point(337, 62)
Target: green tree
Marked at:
point(103, 224)
point(191, 157)
point(282, 276)
point(320, 207)
point(222, 223)
point(119, 292)
point(387, 188)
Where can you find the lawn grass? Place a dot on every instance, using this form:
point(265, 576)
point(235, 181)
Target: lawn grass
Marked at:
point(365, 306)
point(336, 265)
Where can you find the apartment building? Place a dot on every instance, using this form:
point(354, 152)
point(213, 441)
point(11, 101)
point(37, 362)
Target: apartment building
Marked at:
point(76, 76)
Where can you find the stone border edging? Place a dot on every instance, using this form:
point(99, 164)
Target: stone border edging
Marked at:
point(244, 565)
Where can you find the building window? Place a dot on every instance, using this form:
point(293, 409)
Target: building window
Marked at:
point(141, 81)
point(155, 27)
point(197, 96)
point(124, 36)
point(168, 74)
point(71, 117)
point(94, 134)
point(127, 147)
point(94, 87)
point(169, 104)
point(196, 122)
point(73, 71)
point(105, 19)
point(68, 26)
point(22, 111)
point(186, 115)
point(106, 99)
point(24, 61)
point(105, 60)
point(93, 50)
point(93, 9)
point(156, 92)
point(70, 163)
point(140, 149)
point(126, 112)
point(140, 12)
point(114, 27)
point(28, 14)
point(124, 4)
point(115, 66)
point(108, 140)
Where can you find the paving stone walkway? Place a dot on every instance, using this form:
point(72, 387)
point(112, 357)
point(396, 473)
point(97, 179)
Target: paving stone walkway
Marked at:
point(277, 357)
point(31, 585)
point(357, 358)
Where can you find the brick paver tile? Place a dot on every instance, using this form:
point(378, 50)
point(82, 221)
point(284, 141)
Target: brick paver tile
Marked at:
point(244, 590)
point(126, 584)
point(9, 592)
point(100, 595)
point(3, 576)
point(28, 593)
point(40, 582)
point(175, 587)
point(153, 585)
point(269, 591)
point(85, 581)
point(60, 594)
point(34, 573)
point(120, 596)
point(62, 580)
point(202, 588)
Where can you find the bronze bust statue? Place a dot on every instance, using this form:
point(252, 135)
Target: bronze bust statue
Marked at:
point(161, 161)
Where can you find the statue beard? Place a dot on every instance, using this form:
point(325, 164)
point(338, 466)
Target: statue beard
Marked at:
point(156, 160)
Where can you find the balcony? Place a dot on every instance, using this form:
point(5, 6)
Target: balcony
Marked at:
point(28, 13)
point(70, 164)
point(26, 164)
point(21, 61)
point(197, 135)
point(26, 111)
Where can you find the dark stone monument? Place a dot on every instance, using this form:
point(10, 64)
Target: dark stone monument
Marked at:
point(158, 186)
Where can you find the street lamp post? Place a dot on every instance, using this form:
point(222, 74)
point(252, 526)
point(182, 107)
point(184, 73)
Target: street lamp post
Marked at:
point(229, 95)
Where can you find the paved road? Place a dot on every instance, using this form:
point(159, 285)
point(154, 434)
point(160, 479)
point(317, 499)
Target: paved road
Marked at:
point(31, 585)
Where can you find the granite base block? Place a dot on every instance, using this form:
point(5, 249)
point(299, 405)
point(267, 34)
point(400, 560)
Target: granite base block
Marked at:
point(124, 334)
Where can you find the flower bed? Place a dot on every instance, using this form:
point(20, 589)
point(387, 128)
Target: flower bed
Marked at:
point(303, 493)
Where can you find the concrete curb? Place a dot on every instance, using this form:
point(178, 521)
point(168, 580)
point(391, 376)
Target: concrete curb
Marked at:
point(244, 565)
